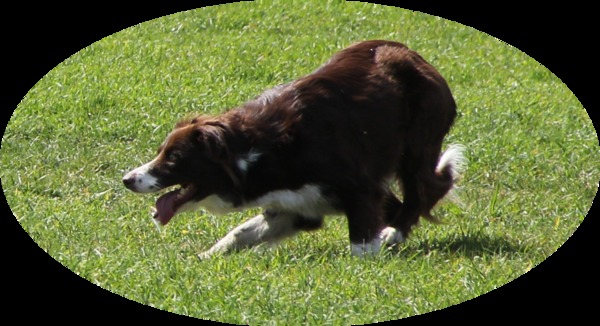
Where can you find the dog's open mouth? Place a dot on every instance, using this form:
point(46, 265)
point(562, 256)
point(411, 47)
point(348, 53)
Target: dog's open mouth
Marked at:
point(168, 204)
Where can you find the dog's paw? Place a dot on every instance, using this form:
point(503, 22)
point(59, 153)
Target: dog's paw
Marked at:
point(206, 255)
point(391, 236)
point(388, 237)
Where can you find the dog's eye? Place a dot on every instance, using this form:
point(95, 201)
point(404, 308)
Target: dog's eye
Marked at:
point(171, 158)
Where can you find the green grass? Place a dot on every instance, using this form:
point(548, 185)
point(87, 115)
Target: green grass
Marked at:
point(532, 176)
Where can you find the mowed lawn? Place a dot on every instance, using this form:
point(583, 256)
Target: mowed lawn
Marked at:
point(532, 174)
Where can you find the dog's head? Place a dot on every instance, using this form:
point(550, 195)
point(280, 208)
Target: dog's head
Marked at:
point(192, 157)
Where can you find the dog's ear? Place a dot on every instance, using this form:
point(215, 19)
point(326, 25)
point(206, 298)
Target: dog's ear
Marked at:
point(213, 139)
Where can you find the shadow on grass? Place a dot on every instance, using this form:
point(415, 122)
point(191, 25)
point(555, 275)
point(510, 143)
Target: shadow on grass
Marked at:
point(467, 245)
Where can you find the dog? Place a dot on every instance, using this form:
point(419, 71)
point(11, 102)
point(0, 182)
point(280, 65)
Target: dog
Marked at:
point(331, 142)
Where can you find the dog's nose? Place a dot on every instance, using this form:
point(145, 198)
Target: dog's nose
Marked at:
point(129, 181)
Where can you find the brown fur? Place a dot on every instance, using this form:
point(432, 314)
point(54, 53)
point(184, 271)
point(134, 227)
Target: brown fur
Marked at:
point(376, 111)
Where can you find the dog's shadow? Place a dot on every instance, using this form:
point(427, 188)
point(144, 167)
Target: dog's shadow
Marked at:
point(468, 245)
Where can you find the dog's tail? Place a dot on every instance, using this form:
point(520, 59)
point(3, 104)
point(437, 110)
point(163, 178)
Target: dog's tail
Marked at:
point(452, 162)
point(451, 165)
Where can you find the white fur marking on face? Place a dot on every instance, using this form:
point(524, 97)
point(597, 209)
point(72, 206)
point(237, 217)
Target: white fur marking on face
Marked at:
point(144, 181)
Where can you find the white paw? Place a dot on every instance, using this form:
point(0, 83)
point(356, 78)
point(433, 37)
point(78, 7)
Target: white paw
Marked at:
point(205, 255)
point(389, 236)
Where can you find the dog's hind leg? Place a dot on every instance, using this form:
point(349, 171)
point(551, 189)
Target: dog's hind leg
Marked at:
point(424, 185)
point(270, 227)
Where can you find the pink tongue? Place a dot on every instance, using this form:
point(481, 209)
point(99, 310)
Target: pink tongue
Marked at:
point(165, 207)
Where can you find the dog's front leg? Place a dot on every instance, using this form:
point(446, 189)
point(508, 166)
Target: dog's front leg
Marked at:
point(368, 230)
point(269, 227)
point(246, 235)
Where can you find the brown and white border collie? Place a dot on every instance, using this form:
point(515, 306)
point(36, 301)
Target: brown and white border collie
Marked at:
point(330, 142)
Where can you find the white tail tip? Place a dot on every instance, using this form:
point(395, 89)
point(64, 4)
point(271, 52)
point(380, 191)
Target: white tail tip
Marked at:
point(453, 157)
